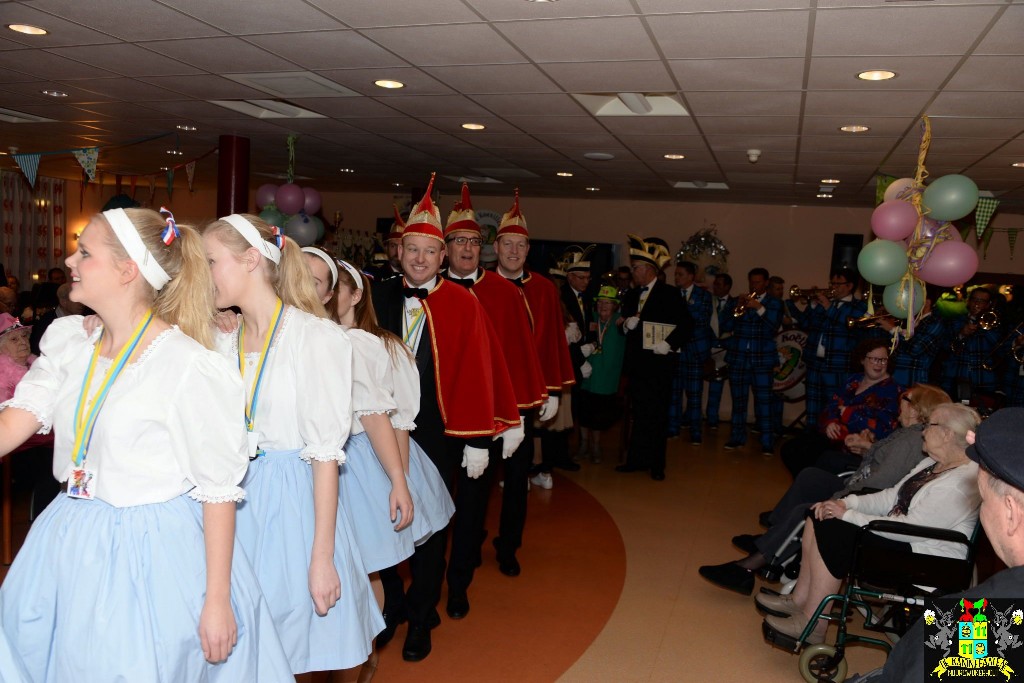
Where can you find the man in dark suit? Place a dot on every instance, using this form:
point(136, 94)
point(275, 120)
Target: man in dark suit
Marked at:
point(579, 305)
point(656, 324)
point(722, 305)
point(752, 356)
point(688, 381)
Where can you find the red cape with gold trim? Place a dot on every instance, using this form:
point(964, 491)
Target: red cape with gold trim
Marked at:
point(474, 391)
point(506, 307)
point(545, 309)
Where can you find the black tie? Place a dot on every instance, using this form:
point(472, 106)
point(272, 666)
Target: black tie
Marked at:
point(417, 292)
point(466, 282)
point(644, 288)
point(517, 281)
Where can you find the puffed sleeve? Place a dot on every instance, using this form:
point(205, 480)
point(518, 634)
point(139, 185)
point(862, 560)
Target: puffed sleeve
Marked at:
point(36, 393)
point(207, 428)
point(372, 390)
point(323, 381)
point(406, 380)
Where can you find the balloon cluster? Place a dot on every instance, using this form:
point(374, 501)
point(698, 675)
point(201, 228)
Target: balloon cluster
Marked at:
point(917, 243)
point(293, 209)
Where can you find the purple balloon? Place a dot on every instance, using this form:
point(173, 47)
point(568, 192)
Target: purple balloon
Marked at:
point(289, 198)
point(950, 263)
point(894, 220)
point(265, 195)
point(312, 201)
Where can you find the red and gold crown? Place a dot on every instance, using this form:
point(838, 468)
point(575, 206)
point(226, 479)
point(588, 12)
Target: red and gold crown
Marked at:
point(462, 217)
point(425, 218)
point(513, 222)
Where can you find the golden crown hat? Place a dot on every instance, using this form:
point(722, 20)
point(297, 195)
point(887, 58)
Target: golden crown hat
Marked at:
point(425, 218)
point(653, 250)
point(577, 258)
point(513, 222)
point(462, 217)
point(398, 226)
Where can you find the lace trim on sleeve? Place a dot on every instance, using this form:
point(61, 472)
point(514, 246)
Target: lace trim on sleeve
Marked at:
point(310, 453)
point(45, 424)
point(360, 413)
point(403, 426)
point(236, 495)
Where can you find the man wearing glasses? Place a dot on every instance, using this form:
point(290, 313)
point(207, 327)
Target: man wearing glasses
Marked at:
point(972, 349)
point(829, 340)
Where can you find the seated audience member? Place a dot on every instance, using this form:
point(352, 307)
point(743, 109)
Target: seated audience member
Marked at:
point(996, 449)
point(599, 407)
point(940, 492)
point(65, 306)
point(883, 464)
point(9, 301)
point(15, 356)
point(866, 405)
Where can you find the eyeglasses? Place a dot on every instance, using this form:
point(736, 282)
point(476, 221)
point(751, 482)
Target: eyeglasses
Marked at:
point(936, 424)
point(835, 283)
point(462, 241)
point(905, 397)
point(876, 359)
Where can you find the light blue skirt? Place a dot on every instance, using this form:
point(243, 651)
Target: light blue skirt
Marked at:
point(275, 528)
point(100, 593)
point(364, 489)
point(12, 670)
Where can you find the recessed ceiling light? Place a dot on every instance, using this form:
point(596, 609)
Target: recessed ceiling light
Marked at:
point(186, 128)
point(54, 93)
point(347, 170)
point(473, 126)
point(854, 129)
point(830, 181)
point(175, 152)
point(564, 174)
point(593, 189)
point(164, 168)
point(396, 184)
point(599, 156)
point(28, 29)
point(876, 75)
point(391, 85)
point(675, 156)
point(824, 195)
point(1018, 164)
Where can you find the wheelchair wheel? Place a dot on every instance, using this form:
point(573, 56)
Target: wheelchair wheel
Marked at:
point(817, 663)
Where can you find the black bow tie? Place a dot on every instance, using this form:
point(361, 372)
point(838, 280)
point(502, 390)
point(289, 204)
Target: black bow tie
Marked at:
point(517, 281)
point(466, 282)
point(644, 288)
point(417, 292)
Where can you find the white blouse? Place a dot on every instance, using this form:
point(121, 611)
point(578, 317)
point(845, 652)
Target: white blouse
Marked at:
point(406, 379)
point(170, 425)
point(372, 384)
point(305, 399)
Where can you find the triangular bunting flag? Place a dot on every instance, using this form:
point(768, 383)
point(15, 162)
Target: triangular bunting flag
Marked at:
point(29, 165)
point(984, 244)
point(983, 214)
point(170, 183)
point(87, 158)
point(882, 183)
point(152, 189)
point(190, 171)
point(1011, 235)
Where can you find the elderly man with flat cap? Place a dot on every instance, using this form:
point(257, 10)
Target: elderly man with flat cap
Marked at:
point(996, 449)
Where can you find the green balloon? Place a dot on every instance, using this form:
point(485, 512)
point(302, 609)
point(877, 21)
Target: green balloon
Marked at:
point(950, 198)
point(896, 298)
point(274, 217)
point(882, 262)
point(319, 224)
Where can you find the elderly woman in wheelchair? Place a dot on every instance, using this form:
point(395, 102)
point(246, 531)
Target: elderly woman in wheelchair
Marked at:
point(941, 492)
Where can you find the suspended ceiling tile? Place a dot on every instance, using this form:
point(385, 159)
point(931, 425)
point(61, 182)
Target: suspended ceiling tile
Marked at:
point(502, 10)
point(673, 6)
point(750, 125)
point(581, 40)
point(206, 87)
point(610, 77)
point(131, 21)
point(127, 89)
point(650, 125)
point(193, 110)
point(668, 143)
point(885, 126)
point(362, 81)
point(751, 103)
point(856, 103)
point(494, 79)
point(49, 66)
point(547, 125)
point(370, 13)
point(347, 107)
point(739, 74)
point(836, 143)
point(951, 103)
point(912, 72)
point(990, 73)
point(1004, 38)
point(436, 105)
point(453, 125)
point(766, 143)
point(444, 45)
point(61, 31)
point(125, 59)
point(221, 55)
point(233, 18)
point(523, 104)
point(393, 126)
point(731, 34)
point(327, 49)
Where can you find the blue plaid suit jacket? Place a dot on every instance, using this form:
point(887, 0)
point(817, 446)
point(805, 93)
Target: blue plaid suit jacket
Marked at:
point(914, 356)
point(829, 327)
point(701, 307)
point(753, 335)
point(974, 351)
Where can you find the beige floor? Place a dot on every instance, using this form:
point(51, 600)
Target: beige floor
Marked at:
point(670, 624)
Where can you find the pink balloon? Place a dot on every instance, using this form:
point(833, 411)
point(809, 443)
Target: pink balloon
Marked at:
point(265, 195)
point(312, 200)
point(894, 220)
point(898, 187)
point(951, 231)
point(289, 198)
point(950, 263)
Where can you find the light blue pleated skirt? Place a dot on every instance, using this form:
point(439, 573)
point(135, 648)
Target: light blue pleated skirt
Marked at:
point(100, 593)
point(275, 528)
point(364, 489)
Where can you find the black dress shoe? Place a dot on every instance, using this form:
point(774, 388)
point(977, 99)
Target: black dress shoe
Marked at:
point(417, 643)
point(745, 542)
point(392, 620)
point(567, 465)
point(733, 445)
point(765, 519)
point(507, 564)
point(629, 468)
point(457, 607)
point(729, 575)
point(657, 475)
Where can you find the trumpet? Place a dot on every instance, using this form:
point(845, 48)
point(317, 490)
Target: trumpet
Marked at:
point(867, 321)
point(741, 305)
point(796, 293)
point(989, 320)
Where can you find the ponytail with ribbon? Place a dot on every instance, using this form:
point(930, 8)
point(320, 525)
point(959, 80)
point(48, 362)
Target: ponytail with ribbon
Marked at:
point(170, 232)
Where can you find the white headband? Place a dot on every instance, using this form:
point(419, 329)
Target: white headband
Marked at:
point(253, 237)
point(327, 259)
point(128, 236)
point(353, 272)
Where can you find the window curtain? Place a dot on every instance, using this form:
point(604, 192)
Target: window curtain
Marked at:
point(33, 224)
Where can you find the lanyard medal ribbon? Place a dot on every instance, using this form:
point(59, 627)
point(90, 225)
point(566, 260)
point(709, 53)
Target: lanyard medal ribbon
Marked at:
point(250, 406)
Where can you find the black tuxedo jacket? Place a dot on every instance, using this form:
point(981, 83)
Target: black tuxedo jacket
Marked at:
point(582, 318)
point(663, 305)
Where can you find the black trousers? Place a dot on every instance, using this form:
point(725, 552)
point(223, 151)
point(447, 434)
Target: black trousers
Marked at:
point(514, 494)
point(649, 393)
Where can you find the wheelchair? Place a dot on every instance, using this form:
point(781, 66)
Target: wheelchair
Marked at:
point(886, 587)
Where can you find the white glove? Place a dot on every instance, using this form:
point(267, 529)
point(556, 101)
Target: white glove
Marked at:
point(632, 322)
point(549, 409)
point(587, 349)
point(572, 333)
point(662, 348)
point(586, 369)
point(510, 440)
point(474, 460)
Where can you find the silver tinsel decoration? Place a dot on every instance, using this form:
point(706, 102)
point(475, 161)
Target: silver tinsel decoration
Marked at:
point(703, 243)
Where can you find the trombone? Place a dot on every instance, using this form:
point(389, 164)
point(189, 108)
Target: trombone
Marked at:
point(867, 321)
point(796, 293)
point(989, 320)
point(1016, 351)
point(741, 305)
